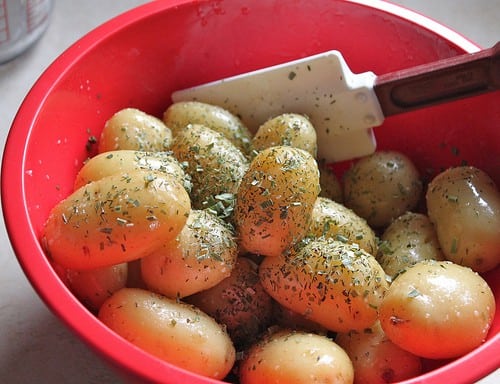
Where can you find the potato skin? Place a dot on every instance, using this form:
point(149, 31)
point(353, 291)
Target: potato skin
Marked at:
point(275, 200)
point(123, 161)
point(175, 332)
point(239, 302)
point(287, 129)
point(382, 186)
point(464, 205)
point(331, 219)
point(201, 256)
point(293, 357)
point(92, 287)
point(179, 115)
point(448, 303)
point(409, 239)
point(215, 165)
point(131, 128)
point(330, 183)
point(335, 284)
point(116, 219)
point(376, 359)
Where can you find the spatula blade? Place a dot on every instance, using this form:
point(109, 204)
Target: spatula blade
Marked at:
point(341, 105)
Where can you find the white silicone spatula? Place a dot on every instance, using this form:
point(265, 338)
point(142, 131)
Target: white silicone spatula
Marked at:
point(344, 106)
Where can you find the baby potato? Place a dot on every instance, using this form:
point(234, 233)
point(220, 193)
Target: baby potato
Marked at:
point(275, 200)
point(331, 219)
point(330, 184)
point(183, 113)
point(293, 357)
point(335, 284)
point(123, 161)
point(287, 129)
point(175, 332)
point(131, 128)
point(381, 187)
point(239, 302)
point(406, 241)
point(286, 318)
point(438, 310)
point(215, 165)
point(115, 219)
point(201, 256)
point(376, 359)
point(94, 286)
point(464, 205)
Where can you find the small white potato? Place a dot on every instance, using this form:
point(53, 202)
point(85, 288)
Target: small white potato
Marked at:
point(123, 161)
point(239, 302)
point(381, 187)
point(115, 219)
point(335, 284)
point(376, 359)
point(406, 241)
point(438, 310)
point(131, 128)
point(201, 256)
point(179, 115)
point(292, 357)
point(331, 219)
point(464, 205)
point(215, 165)
point(175, 332)
point(94, 286)
point(287, 129)
point(275, 200)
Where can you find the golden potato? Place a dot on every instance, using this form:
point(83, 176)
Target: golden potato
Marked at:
point(275, 200)
point(287, 129)
point(464, 205)
point(201, 256)
point(179, 115)
point(335, 284)
point(115, 219)
point(382, 186)
point(406, 241)
point(331, 219)
point(175, 332)
point(292, 357)
point(215, 165)
point(376, 359)
point(123, 161)
point(438, 310)
point(131, 128)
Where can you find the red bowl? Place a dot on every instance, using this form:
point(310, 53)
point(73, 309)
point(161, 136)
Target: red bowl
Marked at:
point(140, 57)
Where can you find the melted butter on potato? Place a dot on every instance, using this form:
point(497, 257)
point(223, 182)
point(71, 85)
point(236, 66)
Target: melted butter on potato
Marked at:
point(175, 332)
point(464, 205)
point(275, 200)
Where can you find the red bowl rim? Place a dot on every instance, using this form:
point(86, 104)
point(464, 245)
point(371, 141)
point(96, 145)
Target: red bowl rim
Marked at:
point(53, 291)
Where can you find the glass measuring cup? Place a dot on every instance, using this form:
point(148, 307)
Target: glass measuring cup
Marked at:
point(22, 22)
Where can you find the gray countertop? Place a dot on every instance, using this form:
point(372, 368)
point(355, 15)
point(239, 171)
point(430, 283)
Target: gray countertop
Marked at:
point(35, 347)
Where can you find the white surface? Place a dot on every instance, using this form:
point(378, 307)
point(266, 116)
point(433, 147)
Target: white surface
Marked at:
point(34, 346)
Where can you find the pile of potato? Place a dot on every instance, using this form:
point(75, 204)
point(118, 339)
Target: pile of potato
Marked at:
point(243, 257)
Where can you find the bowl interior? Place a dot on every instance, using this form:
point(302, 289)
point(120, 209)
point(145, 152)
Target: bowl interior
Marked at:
point(139, 58)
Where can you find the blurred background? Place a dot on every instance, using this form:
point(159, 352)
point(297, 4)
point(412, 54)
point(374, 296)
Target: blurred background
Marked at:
point(35, 347)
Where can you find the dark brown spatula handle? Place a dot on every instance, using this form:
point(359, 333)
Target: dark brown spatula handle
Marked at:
point(438, 82)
